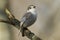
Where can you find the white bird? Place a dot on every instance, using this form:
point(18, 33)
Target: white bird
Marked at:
point(29, 18)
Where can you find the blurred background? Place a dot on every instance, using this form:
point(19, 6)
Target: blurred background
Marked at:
point(47, 26)
point(47, 22)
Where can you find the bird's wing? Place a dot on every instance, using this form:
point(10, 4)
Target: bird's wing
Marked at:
point(29, 19)
point(25, 17)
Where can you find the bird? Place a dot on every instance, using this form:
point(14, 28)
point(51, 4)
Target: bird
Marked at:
point(28, 18)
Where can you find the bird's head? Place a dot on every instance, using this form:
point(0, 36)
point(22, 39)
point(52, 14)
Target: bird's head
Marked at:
point(31, 8)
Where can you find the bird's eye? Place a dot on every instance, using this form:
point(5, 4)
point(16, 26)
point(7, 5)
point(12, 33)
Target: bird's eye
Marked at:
point(29, 8)
point(34, 6)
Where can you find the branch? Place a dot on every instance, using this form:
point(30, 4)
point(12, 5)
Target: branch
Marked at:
point(31, 35)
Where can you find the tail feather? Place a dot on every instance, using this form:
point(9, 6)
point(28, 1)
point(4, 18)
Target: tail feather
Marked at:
point(22, 30)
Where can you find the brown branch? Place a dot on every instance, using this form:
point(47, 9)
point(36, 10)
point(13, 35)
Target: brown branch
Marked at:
point(31, 35)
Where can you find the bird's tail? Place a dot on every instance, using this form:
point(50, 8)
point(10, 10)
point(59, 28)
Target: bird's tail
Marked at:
point(22, 30)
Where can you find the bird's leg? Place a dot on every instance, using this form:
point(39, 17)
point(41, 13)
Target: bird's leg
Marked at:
point(22, 30)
